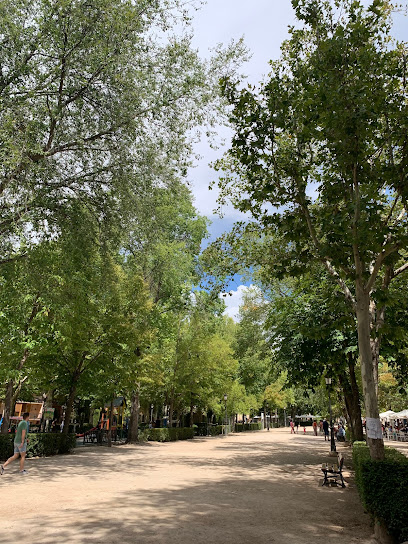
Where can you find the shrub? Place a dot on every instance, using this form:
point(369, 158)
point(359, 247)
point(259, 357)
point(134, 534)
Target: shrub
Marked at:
point(40, 445)
point(87, 427)
point(239, 427)
point(383, 487)
point(200, 429)
point(214, 430)
point(167, 434)
point(184, 433)
point(6, 446)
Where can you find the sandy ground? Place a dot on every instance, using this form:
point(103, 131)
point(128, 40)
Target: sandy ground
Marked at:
point(250, 488)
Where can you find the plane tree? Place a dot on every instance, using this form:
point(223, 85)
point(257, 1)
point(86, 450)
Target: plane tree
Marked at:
point(319, 155)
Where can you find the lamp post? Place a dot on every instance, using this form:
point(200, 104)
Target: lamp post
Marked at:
point(151, 414)
point(225, 400)
point(266, 415)
point(332, 443)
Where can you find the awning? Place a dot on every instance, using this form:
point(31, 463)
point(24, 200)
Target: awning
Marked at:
point(401, 415)
point(386, 415)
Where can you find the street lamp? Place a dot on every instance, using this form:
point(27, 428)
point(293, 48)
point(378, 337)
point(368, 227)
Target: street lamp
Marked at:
point(332, 443)
point(225, 400)
point(266, 415)
point(151, 414)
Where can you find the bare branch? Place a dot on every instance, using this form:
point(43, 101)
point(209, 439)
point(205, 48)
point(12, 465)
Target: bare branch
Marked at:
point(400, 270)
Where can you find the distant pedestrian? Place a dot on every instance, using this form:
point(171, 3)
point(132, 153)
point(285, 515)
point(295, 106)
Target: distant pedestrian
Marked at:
point(304, 428)
point(315, 427)
point(326, 429)
point(20, 445)
point(341, 434)
point(297, 425)
point(292, 427)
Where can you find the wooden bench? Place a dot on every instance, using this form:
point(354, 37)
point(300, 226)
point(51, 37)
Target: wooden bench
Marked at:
point(333, 472)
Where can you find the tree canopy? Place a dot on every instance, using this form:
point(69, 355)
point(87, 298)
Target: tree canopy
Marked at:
point(319, 158)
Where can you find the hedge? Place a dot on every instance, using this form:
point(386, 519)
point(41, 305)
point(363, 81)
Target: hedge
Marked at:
point(215, 430)
point(39, 445)
point(167, 434)
point(239, 427)
point(383, 488)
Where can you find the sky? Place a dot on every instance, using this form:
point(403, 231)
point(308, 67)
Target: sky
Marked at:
point(264, 25)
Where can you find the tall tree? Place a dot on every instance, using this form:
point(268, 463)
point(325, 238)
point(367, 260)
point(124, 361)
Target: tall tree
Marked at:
point(97, 99)
point(312, 332)
point(331, 121)
point(252, 349)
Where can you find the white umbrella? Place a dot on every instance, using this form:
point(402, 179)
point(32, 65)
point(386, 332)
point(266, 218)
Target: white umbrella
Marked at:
point(393, 416)
point(401, 415)
point(387, 414)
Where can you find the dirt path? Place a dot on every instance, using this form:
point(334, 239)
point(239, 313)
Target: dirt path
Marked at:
point(251, 488)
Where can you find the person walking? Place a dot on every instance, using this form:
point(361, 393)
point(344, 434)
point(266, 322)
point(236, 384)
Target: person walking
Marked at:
point(292, 427)
point(315, 427)
point(326, 429)
point(20, 445)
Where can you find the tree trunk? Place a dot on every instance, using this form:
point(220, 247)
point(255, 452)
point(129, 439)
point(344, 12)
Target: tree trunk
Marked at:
point(352, 404)
point(171, 410)
point(191, 412)
point(133, 432)
point(110, 424)
point(17, 391)
point(12, 394)
point(8, 401)
point(355, 402)
point(374, 430)
point(70, 404)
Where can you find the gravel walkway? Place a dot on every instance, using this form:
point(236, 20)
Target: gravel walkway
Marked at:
point(250, 488)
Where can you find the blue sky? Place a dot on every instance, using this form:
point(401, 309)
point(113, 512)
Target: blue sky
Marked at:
point(264, 25)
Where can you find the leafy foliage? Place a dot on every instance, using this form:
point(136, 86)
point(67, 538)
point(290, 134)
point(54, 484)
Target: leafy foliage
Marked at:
point(382, 486)
point(40, 445)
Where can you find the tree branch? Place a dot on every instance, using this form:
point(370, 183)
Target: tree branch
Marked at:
point(400, 270)
point(377, 266)
point(342, 284)
point(12, 259)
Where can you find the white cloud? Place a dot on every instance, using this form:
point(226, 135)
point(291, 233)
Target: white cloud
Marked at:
point(233, 300)
point(264, 24)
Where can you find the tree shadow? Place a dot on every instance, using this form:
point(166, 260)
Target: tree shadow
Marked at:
point(228, 511)
point(263, 493)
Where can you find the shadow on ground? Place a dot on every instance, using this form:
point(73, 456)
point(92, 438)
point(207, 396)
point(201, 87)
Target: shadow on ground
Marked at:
point(258, 493)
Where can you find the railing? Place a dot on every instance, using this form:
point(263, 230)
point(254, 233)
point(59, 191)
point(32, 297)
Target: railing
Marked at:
point(100, 436)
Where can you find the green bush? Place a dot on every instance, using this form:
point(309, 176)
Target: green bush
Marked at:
point(87, 427)
point(215, 430)
point(6, 446)
point(383, 487)
point(184, 433)
point(39, 445)
point(239, 427)
point(167, 434)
